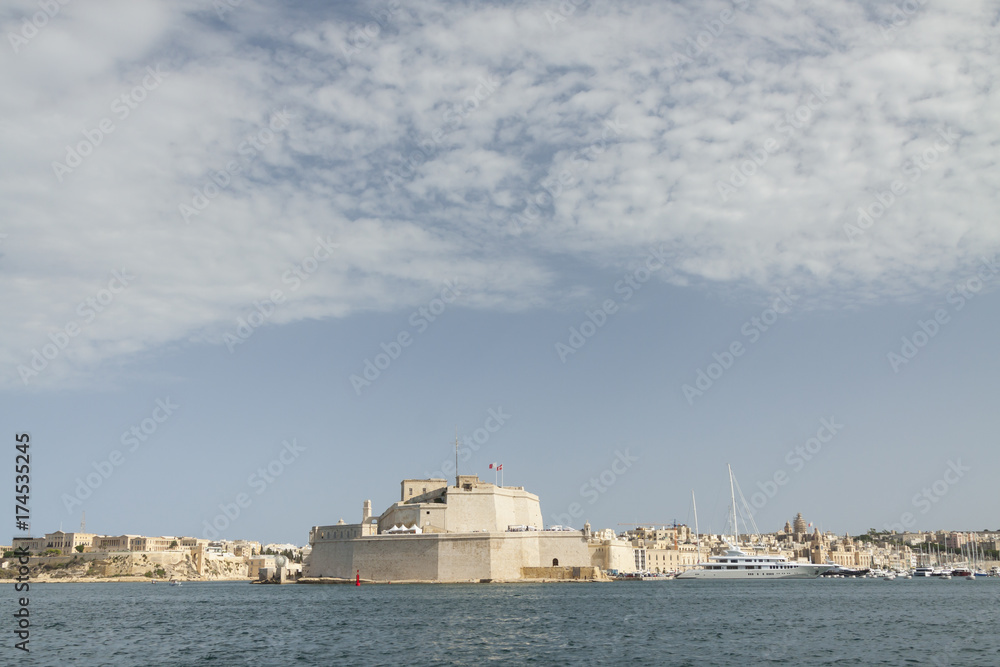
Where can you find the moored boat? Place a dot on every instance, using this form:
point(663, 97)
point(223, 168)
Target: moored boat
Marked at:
point(737, 564)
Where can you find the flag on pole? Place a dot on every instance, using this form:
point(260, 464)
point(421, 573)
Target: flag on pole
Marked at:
point(491, 465)
point(500, 467)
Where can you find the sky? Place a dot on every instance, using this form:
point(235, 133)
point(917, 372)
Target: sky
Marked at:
point(261, 262)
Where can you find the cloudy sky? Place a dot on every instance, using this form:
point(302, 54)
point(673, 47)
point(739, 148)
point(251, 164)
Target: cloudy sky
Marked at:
point(614, 245)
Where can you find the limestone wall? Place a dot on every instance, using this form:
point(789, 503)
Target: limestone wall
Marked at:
point(491, 509)
point(613, 555)
point(446, 557)
point(569, 548)
point(396, 558)
point(563, 573)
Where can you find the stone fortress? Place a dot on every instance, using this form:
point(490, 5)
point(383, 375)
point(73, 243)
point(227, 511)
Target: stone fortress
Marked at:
point(471, 531)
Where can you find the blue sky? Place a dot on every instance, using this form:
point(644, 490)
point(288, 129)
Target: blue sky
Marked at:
point(617, 247)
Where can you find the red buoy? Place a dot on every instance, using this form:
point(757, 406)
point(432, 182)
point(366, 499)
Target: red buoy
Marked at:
point(357, 581)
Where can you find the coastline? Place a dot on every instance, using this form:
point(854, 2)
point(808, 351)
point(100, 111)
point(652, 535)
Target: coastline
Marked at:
point(117, 580)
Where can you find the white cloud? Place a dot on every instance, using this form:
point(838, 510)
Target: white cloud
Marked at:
point(684, 125)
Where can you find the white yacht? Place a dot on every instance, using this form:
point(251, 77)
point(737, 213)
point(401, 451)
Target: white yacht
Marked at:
point(737, 564)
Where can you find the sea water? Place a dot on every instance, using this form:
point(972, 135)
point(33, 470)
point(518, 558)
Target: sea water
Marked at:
point(805, 622)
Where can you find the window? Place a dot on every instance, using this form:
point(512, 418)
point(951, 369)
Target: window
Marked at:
point(555, 562)
point(411, 490)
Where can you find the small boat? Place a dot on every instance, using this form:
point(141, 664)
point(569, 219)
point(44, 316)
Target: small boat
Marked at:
point(174, 582)
point(841, 572)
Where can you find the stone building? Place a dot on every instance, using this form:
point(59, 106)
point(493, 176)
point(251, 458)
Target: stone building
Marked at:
point(472, 530)
point(32, 545)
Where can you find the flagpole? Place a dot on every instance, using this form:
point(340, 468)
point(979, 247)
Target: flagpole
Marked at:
point(456, 456)
point(501, 475)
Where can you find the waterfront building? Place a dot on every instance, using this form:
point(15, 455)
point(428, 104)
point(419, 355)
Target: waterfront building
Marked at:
point(256, 563)
point(32, 545)
point(67, 543)
point(473, 530)
point(193, 542)
point(143, 543)
point(617, 554)
point(114, 542)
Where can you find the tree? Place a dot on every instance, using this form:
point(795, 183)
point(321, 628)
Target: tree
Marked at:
point(80, 548)
point(173, 545)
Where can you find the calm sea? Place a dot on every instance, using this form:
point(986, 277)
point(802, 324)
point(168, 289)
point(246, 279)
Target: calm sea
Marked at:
point(811, 622)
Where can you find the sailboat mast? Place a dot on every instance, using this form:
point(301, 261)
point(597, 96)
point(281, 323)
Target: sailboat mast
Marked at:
point(732, 494)
point(697, 540)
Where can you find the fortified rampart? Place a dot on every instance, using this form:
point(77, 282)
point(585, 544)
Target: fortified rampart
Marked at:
point(471, 531)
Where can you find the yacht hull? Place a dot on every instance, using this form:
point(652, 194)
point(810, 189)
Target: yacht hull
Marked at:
point(798, 572)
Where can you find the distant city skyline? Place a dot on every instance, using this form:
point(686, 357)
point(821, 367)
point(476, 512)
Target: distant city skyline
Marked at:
point(261, 263)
